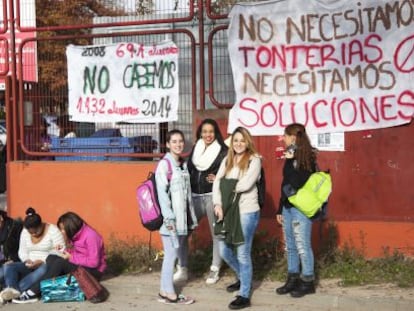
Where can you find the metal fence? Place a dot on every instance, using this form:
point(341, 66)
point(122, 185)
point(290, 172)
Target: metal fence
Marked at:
point(37, 80)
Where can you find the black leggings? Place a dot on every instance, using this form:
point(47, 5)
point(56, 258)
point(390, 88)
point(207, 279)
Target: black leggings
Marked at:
point(57, 266)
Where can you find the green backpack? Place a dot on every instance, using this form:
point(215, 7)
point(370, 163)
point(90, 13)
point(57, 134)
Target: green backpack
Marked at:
point(314, 193)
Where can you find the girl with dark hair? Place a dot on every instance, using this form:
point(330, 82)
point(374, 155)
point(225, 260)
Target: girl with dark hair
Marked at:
point(300, 163)
point(9, 241)
point(203, 164)
point(84, 247)
point(174, 196)
point(236, 206)
point(37, 241)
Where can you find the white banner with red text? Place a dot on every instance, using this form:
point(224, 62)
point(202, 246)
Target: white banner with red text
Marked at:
point(334, 66)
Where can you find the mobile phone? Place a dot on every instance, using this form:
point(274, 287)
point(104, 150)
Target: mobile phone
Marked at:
point(291, 149)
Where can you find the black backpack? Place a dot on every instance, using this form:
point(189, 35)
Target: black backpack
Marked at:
point(261, 188)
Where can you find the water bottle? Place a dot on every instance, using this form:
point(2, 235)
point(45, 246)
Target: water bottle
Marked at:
point(174, 238)
point(173, 234)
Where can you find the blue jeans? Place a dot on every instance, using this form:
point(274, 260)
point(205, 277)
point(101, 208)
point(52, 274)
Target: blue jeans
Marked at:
point(18, 276)
point(168, 262)
point(1, 277)
point(297, 229)
point(238, 257)
point(203, 205)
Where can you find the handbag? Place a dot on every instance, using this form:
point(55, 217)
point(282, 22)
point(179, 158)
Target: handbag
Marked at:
point(93, 290)
point(61, 288)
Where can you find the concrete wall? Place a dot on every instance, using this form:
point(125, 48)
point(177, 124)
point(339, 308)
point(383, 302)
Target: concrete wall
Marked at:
point(371, 203)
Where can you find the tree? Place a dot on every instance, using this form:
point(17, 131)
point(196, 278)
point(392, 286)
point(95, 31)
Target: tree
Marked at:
point(144, 7)
point(52, 70)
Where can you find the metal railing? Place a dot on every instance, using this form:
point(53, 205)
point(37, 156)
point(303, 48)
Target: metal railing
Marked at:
point(38, 107)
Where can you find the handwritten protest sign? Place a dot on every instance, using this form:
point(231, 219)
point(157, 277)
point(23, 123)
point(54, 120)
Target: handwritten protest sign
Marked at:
point(123, 82)
point(335, 66)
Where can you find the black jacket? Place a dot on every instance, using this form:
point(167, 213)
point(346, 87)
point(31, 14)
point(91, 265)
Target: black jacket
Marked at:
point(10, 239)
point(294, 178)
point(198, 179)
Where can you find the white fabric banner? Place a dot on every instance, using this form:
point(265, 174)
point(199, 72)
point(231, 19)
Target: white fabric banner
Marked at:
point(332, 65)
point(123, 82)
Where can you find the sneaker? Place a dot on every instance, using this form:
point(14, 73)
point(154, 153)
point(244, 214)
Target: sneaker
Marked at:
point(9, 294)
point(181, 275)
point(213, 277)
point(181, 300)
point(26, 297)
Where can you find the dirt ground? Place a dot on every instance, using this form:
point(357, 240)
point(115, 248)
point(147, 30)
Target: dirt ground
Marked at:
point(139, 292)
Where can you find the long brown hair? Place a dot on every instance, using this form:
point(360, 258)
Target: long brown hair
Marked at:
point(250, 150)
point(305, 154)
point(71, 222)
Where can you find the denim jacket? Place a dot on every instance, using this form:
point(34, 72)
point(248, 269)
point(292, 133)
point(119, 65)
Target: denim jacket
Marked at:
point(174, 196)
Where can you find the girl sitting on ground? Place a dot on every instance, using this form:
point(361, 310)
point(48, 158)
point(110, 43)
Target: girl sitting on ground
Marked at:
point(37, 241)
point(84, 247)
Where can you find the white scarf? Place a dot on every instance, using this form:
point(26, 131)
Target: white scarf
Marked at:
point(204, 156)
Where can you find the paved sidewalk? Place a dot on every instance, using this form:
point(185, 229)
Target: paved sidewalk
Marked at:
point(139, 292)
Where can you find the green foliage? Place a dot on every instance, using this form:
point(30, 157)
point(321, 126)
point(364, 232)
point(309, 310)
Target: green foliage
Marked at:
point(265, 254)
point(130, 256)
point(351, 267)
point(200, 261)
point(144, 7)
point(51, 52)
point(347, 264)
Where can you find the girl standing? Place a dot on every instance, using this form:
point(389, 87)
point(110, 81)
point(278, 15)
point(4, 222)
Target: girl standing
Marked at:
point(203, 164)
point(174, 195)
point(236, 206)
point(300, 163)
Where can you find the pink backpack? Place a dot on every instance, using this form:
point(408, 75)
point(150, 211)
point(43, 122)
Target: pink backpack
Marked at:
point(148, 206)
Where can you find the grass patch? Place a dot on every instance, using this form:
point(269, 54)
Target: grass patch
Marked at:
point(353, 269)
point(350, 265)
point(347, 264)
point(130, 256)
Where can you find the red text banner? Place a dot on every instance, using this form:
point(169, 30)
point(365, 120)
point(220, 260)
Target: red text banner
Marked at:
point(335, 66)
